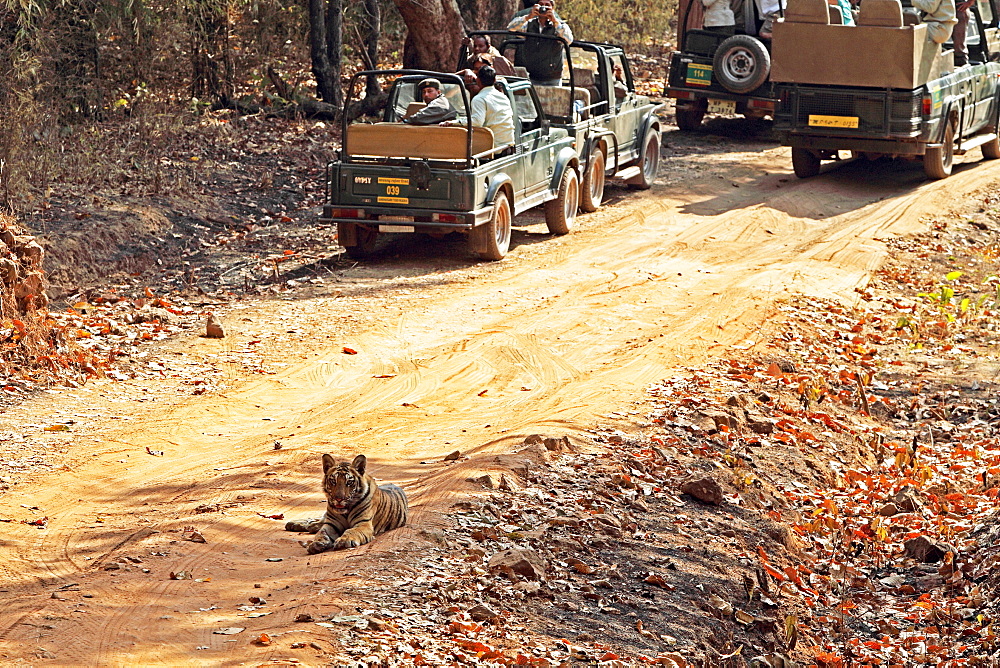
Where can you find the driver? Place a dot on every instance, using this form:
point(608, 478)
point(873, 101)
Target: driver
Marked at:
point(438, 108)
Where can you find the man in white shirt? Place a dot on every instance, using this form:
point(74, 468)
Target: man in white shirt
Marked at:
point(491, 109)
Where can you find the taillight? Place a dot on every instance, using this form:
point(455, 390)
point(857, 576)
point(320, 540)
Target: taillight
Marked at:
point(761, 104)
point(444, 218)
point(928, 105)
point(681, 95)
point(347, 213)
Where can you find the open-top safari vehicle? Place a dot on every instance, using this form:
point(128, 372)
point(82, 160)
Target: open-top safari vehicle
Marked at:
point(882, 88)
point(391, 177)
point(617, 131)
point(715, 73)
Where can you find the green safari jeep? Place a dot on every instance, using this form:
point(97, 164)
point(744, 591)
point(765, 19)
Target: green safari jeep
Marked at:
point(394, 178)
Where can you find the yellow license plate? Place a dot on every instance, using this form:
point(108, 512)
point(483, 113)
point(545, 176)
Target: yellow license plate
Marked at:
point(726, 107)
point(833, 121)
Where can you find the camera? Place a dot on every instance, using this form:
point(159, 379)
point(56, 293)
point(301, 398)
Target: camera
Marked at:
point(542, 9)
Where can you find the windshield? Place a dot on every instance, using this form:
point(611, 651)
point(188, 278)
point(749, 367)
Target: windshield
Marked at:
point(407, 93)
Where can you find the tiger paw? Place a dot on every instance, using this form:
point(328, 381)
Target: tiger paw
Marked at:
point(318, 546)
point(346, 542)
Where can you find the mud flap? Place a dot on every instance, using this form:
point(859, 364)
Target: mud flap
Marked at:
point(347, 234)
point(477, 238)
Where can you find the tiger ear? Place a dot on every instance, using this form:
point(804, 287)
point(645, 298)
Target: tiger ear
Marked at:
point(359, 463)
point(328, 463)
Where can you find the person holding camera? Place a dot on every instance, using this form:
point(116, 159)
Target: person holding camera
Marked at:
point(542, 58)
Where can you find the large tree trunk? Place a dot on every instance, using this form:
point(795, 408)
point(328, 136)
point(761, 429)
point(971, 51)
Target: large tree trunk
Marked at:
point(434, 31)
point(373, 20)
point(335, 48)
point(488, 14)
point(326, 86)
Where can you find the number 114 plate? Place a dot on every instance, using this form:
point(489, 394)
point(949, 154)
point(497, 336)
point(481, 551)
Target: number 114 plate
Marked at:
point(727, 107)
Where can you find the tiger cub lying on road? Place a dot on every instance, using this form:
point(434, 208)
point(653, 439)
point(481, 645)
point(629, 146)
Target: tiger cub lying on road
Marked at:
point(357, 509)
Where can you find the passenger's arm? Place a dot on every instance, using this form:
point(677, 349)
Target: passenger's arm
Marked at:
point(563, 31)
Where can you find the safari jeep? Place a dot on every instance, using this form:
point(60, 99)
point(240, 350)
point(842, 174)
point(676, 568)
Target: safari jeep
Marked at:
point(617, 131)
point(712, 73)
point(395, 178)
point(882, 88)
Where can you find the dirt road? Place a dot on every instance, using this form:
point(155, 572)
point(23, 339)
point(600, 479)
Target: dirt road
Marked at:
point(450, 356)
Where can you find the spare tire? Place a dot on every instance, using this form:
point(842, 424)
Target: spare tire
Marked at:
point(741, 64)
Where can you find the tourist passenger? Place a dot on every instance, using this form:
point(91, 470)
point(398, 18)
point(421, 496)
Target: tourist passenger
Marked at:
point(491, 109)
point(939, 15)
point(961, 28)
point(438, 108)
point(719, 17)
point(477, 45)
point(768, 10)
point(542, 58)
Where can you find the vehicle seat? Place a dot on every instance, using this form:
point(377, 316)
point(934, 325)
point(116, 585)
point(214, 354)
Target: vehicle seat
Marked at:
point(883, 13)
point(836, 18)
point(584, 78)
point(555, 100)
point(520, 71)
point(808, 11)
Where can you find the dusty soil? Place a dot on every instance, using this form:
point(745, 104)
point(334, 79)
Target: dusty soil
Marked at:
point(102, 483)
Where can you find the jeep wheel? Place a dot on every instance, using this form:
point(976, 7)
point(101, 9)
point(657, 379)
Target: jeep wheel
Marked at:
point(689, 117)
point(592, 188)
point(561, 211)
point(492, 240)
point(649, 160)
point(805, 163)
point(365, 239)
point(741, 64)
point(939, 160)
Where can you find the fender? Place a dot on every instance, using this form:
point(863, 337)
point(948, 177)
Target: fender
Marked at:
point(565, 160)
point(650, 121)
point(945, 117)
point(498, 181)
point(609, 160)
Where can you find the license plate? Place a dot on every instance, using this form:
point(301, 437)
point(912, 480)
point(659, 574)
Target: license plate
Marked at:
point(727, 107)
point(396, 219)
point(395, 228)
point(833, 121)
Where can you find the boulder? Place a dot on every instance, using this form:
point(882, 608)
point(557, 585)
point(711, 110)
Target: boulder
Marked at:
point(526, 563)
point(706, 489)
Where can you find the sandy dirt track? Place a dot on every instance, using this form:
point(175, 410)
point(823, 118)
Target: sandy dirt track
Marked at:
point(562, 332)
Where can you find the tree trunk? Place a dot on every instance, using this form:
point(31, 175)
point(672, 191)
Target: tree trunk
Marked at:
point(373, 19)
point(488, 14)
point(434, 31)
point(325, 85)
point(335, 48)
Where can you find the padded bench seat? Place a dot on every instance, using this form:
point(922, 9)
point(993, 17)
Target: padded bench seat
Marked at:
point(430, 142)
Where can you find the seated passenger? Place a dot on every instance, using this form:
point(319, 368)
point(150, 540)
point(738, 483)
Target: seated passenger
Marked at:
point(480, 45)
point(621, 88)
point(438, 108)
point(719, 17)
point(471, 81)
point(939, 17)
point(491, 109)
point(845, 9)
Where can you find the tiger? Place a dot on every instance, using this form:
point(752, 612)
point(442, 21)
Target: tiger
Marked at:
point(357, 508)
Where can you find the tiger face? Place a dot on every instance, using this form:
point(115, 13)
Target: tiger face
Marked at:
point(344, 484)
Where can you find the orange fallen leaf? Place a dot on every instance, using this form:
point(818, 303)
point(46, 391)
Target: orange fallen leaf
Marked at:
point(350, 351)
